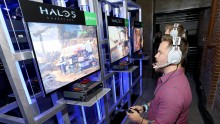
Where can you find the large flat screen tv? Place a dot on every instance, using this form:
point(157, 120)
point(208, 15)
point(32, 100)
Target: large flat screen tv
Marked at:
point(64, 52)
point(137, 37)
point(64, 43)
point(118, 42)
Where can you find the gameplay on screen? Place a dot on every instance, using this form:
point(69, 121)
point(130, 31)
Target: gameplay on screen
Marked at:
point(138, 39)
point(64, 52)
point(118, 42)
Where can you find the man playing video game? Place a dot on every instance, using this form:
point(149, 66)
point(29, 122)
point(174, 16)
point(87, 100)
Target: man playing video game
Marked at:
point(172, 96)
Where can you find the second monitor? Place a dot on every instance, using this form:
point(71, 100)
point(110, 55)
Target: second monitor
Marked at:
point(137, 40)
point(118, 42)
point(118, 38)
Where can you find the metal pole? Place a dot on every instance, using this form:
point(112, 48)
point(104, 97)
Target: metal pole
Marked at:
point(14, 73)
point(62, 118)
point(140, 15)
point(95, 7)
point(107, 9)
point(125, 9)
point(116, 12)
point(61, 3)
point(83, 5)
point(114, 89)
point(141, 77)
point(83, 114)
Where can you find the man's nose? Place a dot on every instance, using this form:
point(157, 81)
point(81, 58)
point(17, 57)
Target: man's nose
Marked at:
point(155, 56)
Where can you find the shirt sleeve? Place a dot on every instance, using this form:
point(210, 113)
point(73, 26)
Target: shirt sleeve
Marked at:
point(169, 107)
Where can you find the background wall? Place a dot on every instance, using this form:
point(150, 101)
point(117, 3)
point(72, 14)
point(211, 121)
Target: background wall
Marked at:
point(205, 71)
point(151, 7)
point(162, 6)
point(147, 7)
point(210, 66)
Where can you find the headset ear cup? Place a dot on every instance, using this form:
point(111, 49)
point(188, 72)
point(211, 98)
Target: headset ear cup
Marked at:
point(174, 56)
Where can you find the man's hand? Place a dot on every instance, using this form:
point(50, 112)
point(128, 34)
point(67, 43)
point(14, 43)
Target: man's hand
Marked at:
point(135, 116)
point(138, 108)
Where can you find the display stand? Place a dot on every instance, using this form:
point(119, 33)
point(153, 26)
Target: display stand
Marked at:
point(123, 93)
point(145, 58)
point(93, 6)
point(27, 104)
point(90, 102)
point(120, 83)
point(123, 82)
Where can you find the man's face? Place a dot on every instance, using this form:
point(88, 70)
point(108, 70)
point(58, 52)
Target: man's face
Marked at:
point(162, 54)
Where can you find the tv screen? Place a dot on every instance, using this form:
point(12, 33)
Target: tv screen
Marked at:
point(118, 42)
point(64, 52)
point(138, 39)
point(64, 43)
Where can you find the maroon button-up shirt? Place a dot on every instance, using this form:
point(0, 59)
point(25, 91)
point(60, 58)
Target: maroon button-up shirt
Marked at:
point(172, 99)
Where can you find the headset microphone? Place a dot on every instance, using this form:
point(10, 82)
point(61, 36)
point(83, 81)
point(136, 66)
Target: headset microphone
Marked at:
point(161, 66)
point(166, 64)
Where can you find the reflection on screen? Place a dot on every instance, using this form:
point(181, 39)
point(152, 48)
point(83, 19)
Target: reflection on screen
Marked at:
point(138, 39)
point(118, 42)
point(64, 52)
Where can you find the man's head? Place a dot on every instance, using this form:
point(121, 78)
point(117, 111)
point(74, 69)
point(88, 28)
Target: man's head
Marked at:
point(164, 49)
point(166, 46)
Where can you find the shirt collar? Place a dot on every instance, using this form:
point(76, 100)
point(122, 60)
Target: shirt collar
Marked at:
point(170, 75)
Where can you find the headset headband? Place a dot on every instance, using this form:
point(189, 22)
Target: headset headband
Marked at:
point(174, 32)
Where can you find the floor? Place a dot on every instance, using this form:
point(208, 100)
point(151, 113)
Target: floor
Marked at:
point(194, 115)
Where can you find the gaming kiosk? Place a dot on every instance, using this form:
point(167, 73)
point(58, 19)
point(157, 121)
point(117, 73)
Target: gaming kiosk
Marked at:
point(69, 61)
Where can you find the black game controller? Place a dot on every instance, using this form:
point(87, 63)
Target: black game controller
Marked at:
point(129, 110)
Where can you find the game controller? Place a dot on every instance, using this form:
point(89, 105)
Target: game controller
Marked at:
point(129, 110)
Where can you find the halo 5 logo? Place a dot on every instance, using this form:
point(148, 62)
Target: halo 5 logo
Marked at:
point(117, 20)
point(58, 13)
